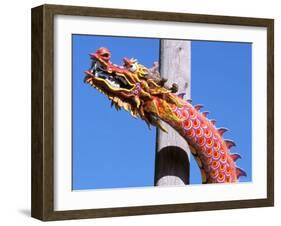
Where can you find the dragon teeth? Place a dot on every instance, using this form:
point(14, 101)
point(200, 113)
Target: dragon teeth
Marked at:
point(113, 84)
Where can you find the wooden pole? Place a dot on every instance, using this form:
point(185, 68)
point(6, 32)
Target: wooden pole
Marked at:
point(172, 151)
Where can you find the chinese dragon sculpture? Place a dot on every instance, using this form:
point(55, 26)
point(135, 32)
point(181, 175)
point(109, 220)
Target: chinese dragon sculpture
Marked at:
point(143, 93)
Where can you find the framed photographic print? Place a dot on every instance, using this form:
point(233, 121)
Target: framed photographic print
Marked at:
point(120, 112)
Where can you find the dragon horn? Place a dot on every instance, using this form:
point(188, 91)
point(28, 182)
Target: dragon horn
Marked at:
point(126, 61)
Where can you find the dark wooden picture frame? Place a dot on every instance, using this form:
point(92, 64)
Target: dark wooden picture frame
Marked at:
point(43, 110)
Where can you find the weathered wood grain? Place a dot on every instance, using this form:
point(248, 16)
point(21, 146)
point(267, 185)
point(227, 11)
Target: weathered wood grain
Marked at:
point(172, 162)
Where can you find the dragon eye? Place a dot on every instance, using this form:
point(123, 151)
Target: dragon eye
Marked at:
point(133, 68)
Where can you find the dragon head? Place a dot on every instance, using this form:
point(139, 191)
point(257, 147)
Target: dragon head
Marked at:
point(128, 87)
point(114, 81)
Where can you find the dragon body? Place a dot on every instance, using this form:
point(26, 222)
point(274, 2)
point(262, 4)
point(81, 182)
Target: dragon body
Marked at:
point(135, 88)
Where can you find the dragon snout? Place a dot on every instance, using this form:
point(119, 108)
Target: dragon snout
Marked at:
point(102, 53)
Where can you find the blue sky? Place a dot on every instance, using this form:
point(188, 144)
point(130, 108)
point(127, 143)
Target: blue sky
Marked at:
point(112, 150)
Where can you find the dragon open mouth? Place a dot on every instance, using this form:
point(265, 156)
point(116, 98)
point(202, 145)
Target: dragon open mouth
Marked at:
point(111, 77)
